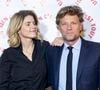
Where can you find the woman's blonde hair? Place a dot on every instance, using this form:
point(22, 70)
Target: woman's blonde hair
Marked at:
point(15, 25)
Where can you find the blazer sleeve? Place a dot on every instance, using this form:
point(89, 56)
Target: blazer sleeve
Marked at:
point(5, 66)
point(99, 74)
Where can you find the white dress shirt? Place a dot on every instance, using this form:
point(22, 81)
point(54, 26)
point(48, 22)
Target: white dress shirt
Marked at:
point(63, 63)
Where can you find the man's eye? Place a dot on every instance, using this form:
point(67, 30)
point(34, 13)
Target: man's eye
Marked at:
point(73, 22)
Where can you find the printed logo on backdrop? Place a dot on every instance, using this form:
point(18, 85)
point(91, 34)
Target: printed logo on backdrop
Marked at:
point(3, 36)
point(46, 11)
point(8, 2)
point(3, 21)
point(94, 2)
point(89, 27)
point(47, 24)
point(89, 24)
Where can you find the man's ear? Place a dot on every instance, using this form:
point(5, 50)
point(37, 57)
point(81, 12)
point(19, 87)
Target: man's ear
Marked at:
point(81, 30)
point(81, 27)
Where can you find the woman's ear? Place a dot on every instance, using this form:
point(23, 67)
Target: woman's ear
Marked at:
point(19, 32)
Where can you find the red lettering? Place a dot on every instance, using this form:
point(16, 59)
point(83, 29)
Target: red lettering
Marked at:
point(2, 22)
point(94, 2)
point(59, 2)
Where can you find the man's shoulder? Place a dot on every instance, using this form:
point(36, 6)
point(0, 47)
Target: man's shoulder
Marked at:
point(91, 44)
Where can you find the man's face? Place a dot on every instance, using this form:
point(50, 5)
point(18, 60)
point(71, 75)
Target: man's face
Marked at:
point(70, 28)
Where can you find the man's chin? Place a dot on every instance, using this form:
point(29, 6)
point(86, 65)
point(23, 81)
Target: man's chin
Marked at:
point(71, 39)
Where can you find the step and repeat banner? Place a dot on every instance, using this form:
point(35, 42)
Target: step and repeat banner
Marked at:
point(46, 11)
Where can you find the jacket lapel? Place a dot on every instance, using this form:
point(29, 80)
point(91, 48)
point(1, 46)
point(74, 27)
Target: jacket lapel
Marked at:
point(82, 59)
point(57, 66)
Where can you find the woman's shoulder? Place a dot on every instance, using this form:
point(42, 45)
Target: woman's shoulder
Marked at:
point(10, 51)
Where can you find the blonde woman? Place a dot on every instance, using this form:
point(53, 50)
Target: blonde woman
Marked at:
point(22, 65)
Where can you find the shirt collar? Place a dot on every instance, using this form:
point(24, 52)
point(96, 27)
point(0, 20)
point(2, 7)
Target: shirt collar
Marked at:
point(76, 46)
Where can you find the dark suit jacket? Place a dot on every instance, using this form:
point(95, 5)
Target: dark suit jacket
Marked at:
point(88, 73)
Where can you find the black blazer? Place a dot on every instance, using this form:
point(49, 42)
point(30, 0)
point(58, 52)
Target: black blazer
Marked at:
point(88, 73)
point(17, 72)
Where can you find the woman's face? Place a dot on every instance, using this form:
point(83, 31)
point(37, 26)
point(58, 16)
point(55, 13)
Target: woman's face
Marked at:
point(29, 28)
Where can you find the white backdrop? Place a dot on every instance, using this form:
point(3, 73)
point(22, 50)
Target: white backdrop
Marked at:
point(46, 11)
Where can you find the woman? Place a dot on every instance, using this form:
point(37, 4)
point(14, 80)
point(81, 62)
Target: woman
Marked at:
point(22, 65)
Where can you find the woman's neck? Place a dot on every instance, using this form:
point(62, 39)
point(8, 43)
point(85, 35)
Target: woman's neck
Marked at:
point(27, 44)
point(28, 48)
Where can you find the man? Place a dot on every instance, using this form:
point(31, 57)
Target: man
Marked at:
point(85, 68)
